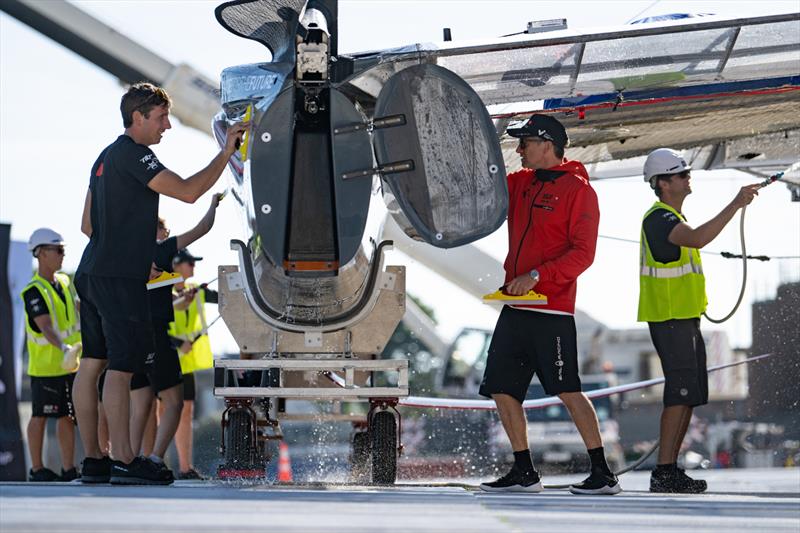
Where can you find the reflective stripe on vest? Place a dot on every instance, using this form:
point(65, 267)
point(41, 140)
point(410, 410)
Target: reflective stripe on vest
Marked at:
point(44, 358)
point(670, 290)
point(671, 272)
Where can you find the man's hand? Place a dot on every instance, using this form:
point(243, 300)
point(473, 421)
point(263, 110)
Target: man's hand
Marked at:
point(184, 299)
point(154, 271)
point(234, 138)
point(520, 285)
point(210, 216)
point(746, 195)
point(186, 347)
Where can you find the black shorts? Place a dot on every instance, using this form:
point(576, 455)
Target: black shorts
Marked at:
point(189, 391)
point(166, 368)
point(525, 343)
point(115, 322)
point(51, 397)
point(682, 351)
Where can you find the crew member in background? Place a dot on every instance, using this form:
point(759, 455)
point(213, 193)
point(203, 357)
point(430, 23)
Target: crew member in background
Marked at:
point(165, 379)
point(672, 296)
point(552, 234)
point(54, 339)
point(190, 329)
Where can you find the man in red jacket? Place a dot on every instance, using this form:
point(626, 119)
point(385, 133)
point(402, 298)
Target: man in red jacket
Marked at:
point(552, 233)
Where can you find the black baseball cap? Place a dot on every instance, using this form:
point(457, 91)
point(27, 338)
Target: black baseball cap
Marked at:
point(543, 126)
point(185, 256)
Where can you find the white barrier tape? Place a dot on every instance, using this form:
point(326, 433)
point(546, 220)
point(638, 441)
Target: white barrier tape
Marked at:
point(421, 402)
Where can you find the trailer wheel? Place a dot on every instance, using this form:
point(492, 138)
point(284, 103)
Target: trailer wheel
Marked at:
point(383, 433)
point(359, 458)
point(239, 447)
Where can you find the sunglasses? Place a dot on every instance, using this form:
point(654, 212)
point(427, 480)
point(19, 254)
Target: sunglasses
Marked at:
point(523, 141)
point(686, 174)
point(57, 249)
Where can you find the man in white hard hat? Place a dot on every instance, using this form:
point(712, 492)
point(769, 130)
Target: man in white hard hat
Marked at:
point(53, 342)
point(671, 299)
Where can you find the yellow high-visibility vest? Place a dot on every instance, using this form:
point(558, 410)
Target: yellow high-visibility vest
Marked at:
point(190, 325)
point(44, 359)
point(670, 290)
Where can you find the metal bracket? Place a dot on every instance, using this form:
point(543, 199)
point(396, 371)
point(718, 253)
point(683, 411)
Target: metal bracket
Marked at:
point(234, 280)
point(387, 281)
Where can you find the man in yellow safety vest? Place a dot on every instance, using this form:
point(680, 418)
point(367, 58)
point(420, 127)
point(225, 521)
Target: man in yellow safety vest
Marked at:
point(190, 334)
point(672, 297)
point(53, 341)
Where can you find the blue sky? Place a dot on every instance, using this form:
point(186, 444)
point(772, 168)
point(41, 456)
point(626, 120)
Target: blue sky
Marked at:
point(57, 111)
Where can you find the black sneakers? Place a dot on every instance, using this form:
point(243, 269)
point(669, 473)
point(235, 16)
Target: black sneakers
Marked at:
point(190, 474)
point(675, 480)
point(515, 481)
point(69, 475)
point(43, 474)
point(96, 470)
point(140, 471)
point(598, 482)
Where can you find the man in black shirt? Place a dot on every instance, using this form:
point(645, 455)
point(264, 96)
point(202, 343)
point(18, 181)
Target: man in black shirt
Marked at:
point(671, 299)
point(164, 379)
point(121, 215)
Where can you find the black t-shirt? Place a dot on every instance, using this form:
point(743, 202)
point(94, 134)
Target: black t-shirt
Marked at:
point(124, 211)
point(657, 227)
point(161, 298)
point(35, 304)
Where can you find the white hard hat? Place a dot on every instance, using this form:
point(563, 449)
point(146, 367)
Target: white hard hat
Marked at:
point(44, 236)
point(663, 161)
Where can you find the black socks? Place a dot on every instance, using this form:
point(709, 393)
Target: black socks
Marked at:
point(598, 458)
point(523, 463)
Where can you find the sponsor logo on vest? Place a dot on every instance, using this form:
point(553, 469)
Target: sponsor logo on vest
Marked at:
point(559, 360)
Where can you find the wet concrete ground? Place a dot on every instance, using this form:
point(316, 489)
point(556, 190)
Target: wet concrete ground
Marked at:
point(739, 500)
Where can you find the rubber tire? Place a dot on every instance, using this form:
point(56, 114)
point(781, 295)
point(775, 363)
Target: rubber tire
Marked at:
point(383, 433)
point(360, 458)
point(239, 440)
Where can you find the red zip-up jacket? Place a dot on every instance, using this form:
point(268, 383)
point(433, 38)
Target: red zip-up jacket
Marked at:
point(552, 227)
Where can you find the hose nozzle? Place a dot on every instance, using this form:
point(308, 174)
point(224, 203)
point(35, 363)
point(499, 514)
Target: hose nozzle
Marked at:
point(771, 179)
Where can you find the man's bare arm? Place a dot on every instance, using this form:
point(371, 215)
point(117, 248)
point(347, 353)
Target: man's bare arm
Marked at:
point(45, 325)
point(202, 227)
point(190, 189)
point(684, 235)
point(86, 218)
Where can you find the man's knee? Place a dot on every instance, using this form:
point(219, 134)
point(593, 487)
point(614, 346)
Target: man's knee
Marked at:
point(570, 396)
point(505, 401)
point(172, 398)
point(574, 399)
point(91, 366)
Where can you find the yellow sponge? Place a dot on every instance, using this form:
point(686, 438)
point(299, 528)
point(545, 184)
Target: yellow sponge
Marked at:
point(166, 278)
point(499, 297)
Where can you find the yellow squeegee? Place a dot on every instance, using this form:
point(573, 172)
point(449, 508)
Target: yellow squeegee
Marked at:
point(501, 298)
point(166, 278)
